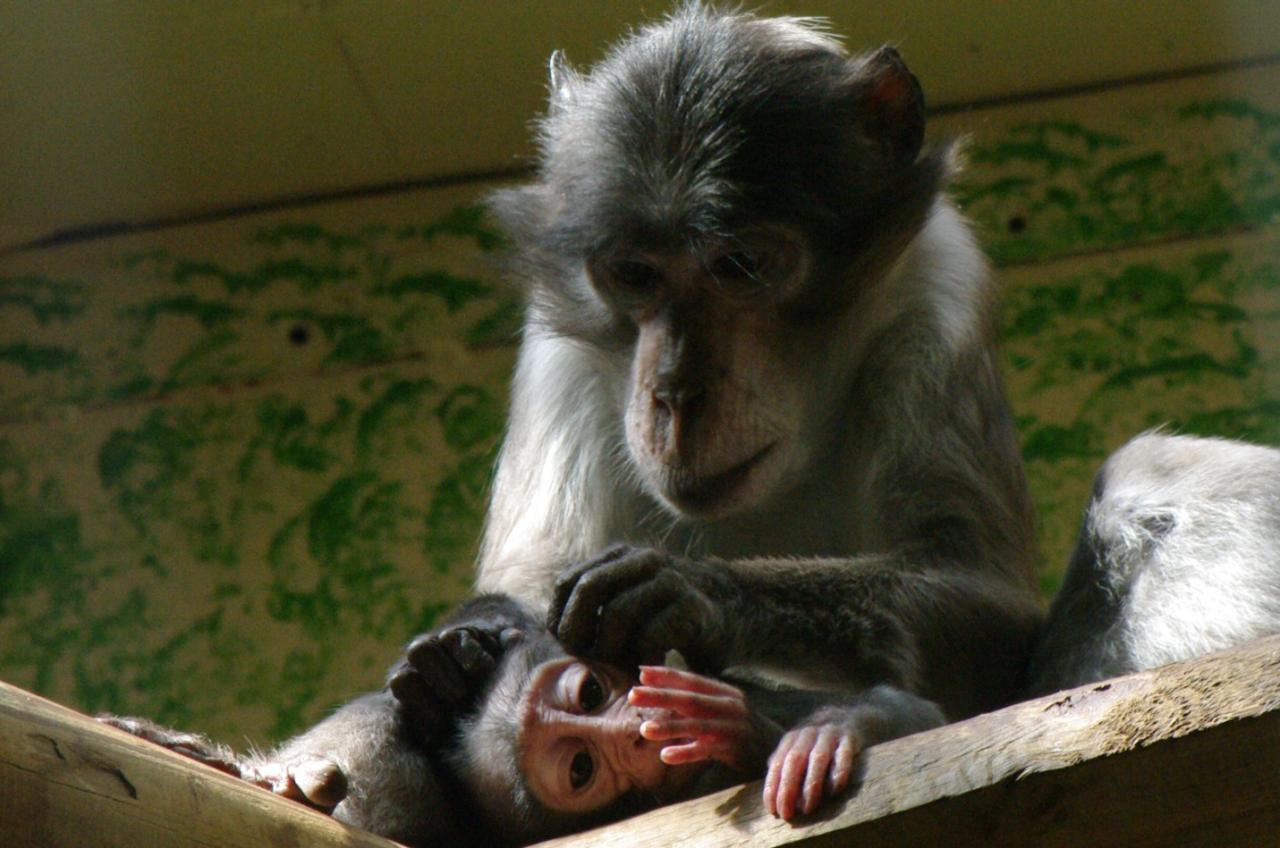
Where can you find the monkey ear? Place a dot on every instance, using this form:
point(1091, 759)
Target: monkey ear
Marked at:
point(892, 106)
point(562, 80)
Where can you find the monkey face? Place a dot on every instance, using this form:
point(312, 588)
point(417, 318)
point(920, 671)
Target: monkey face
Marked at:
point(579, 740)
point(716, 203)
point(725, 372)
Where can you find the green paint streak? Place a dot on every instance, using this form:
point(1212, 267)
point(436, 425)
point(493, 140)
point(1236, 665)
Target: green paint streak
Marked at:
point(347, 533)
point(151, 469)
point(395, 409)
point(1054, 443)
point(208, 360)
point(1050, 583)
point(455, 291)
point(357, 506)
point(34, 359)
point(470, 415)
point(427, 615)
point(95, 690)
point(44, 298)
point(1003, 153)
point(1210, 265)
point(171, 679)
point(209, 313)
point(311, 235)
point(137, 259)
point(1232, 108)
point(456, 513)
point(1259, 422)
point(467, 221)
point(1069, 131)
point(285, 429)
point(306, 276)
point(155, 455)
point(41, 546)
point(133, 388)
point(299, 682)
point(967, 193)
point(1046, 304)
point(1137, 167)
point(499, 328)
point(1134, 324)
point(1190, 365)
point(1070, 192)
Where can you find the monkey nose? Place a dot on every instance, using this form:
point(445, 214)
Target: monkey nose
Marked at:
point(675, 410)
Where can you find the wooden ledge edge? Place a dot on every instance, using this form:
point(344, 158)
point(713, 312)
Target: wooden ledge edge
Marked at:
point(67, 780)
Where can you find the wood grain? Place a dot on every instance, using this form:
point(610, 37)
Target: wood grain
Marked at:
point(67, 780)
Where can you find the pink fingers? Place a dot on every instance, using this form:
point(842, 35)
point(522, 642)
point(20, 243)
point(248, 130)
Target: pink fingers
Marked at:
point(661, 730)
point(810, 764)
point(688, 704)
point(842, 765)
point(674, 678)
point(815, 778)
point(699, 750)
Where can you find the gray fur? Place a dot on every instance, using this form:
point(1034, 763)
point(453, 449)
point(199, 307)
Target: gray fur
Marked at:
point(1177, 556)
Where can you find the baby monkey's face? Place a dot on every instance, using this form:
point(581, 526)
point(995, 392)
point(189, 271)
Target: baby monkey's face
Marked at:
point(580, 741)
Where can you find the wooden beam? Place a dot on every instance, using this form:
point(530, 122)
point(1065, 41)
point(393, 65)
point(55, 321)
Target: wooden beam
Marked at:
point(1184, 755)
point(67, 780)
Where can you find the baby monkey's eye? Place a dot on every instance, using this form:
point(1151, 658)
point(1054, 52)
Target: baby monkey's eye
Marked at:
point(590, 693)
point(581, 768)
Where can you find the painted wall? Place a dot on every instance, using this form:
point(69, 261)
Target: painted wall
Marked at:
point(241, 462)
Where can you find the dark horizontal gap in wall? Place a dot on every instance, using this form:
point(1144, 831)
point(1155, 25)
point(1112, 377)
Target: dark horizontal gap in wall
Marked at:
point(1107, 85)
point(111, 229)
point(119, 228)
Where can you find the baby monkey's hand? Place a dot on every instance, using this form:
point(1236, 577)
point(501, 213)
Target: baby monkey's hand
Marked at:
point(709, 719)
point(812, 762)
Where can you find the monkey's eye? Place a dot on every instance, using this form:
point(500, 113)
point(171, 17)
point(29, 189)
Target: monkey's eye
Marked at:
point(748, 271)
point(738, 265)
point(590, 693)
point(634, 276)
point(581, 768)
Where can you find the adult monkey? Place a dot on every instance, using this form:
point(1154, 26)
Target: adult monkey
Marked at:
point(759, 341)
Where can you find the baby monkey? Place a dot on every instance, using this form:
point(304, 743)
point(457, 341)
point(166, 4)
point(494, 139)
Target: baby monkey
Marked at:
point(567, 742)
point(489, 733)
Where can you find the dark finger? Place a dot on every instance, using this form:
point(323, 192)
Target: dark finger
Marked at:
point(579, 620)
point(567, 581)
point(625, 633)
point(674, 626)
point(470, 653)
point(434, 663)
